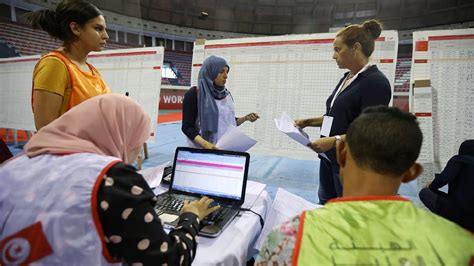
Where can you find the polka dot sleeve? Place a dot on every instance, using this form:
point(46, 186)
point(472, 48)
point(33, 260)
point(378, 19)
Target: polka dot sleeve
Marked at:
point(133, 231)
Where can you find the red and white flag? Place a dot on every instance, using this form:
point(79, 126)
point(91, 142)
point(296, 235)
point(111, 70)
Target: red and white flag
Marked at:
point(25, 246)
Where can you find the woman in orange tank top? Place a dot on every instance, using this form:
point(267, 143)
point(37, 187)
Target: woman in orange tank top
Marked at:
point(62, 78)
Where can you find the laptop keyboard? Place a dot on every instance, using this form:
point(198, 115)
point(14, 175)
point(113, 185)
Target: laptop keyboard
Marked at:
point(174, 205)
point(216, 216)
point(168, 204)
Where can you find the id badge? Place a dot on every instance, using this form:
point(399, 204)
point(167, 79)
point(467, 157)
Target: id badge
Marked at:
point(326, 126)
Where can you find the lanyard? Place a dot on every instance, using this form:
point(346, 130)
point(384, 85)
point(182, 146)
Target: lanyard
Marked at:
point(344, 85)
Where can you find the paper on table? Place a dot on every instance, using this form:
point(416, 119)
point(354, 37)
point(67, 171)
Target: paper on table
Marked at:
point(235, 140)
point(253, 191)
point(168, 218)
point(254, 187)
point(287, 125)
point(285, 206)
point(153, 175)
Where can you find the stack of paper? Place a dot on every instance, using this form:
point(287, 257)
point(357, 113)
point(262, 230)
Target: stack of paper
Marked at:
point(153, 175)
point(285, 207)
point(287, 125)
point(252, 192)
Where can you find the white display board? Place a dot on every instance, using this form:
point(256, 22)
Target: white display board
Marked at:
point(423, 109)
point(136, 71)
point(293, 74)
point(446, 59)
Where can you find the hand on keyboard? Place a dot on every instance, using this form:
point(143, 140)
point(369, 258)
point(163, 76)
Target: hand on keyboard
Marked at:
point(215, 217)
point(200, 207)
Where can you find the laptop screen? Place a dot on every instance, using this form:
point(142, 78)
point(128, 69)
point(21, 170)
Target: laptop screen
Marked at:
point(210, 172)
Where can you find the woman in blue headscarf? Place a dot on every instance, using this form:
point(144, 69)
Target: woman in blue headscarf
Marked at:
point(208, 108)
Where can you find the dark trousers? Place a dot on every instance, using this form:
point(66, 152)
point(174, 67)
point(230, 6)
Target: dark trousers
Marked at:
point(432, 199)
point(439, 203)
point(330, 186)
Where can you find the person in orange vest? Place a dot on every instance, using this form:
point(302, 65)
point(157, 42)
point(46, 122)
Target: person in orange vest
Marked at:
point(370, 224)
point(73, 197)
point(63, 78)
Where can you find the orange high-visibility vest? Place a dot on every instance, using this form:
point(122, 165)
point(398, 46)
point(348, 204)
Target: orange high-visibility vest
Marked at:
point(83, 85)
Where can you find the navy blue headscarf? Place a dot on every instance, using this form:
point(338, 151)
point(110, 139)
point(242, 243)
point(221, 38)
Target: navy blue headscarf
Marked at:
point(207, 107)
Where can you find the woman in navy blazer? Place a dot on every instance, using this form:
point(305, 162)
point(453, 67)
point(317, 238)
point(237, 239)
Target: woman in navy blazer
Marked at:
point(458, 204)
point(364, 85)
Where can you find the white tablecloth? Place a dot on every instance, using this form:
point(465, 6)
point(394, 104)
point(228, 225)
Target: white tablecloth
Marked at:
point(236, 243)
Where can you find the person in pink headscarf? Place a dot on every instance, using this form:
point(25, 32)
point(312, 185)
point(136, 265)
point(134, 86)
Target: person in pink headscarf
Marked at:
point(73, 195)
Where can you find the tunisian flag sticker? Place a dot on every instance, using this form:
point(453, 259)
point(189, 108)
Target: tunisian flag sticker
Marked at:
point(25, 246)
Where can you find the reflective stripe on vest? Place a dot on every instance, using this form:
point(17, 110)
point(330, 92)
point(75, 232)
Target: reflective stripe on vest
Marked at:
point(60, 193)
point(380, 232)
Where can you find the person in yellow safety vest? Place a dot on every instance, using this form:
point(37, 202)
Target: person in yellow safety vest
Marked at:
point(370, 224)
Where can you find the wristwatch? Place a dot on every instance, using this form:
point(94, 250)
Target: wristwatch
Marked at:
point(337, 138)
